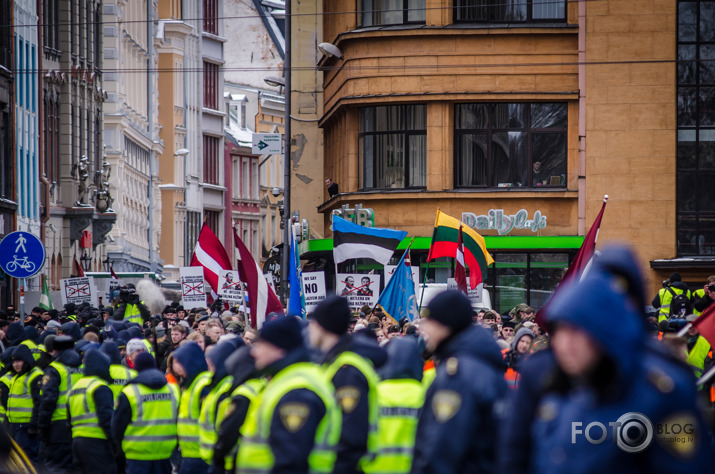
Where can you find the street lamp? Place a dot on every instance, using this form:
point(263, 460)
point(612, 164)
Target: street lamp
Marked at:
point(86, 261)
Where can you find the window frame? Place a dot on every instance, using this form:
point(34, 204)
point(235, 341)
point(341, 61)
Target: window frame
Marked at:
point(362, 12)
point(211, 85)
point(527, 129)
point(362, 133)
point(493, 3)
point(211, 160)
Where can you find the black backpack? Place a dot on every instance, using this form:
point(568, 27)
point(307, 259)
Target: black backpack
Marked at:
point(680, 305)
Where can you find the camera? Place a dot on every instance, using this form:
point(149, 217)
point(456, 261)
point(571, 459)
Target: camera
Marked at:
point(665, 283)
point(711, 287)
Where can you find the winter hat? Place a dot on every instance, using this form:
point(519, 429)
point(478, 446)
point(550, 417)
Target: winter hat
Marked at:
point(450, 308)
point(333, 314)
point(70, 308)
point(62, 343)
point(135, 345)
point(50, 343)
point(52, 324)
point(283, 332)
point(675, 276)
point(144, 361)
point(15, 333)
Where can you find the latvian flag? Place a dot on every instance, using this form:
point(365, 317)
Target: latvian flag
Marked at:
point(210, 254)
point(445, 241)
point(355, 241)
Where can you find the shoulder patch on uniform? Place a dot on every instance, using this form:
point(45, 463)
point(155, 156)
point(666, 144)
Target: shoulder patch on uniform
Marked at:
point(452, 365)
point(45, 379)
point(662, 381)
point(679, 435)
point(294, 415)
point(348, 398)
point(446, 404)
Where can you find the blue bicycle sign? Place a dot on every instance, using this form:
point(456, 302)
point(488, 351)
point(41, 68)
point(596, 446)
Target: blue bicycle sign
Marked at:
point(21, 254)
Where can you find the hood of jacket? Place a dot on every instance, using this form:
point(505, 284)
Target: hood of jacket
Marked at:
point(219, 354)
point(31, 334)
point(191, 357)
point(519, 334)
point(15, 333)
point(241, 366)
point(110, 349)
point(404, 360)
point(599, 306)
point(152, 378)
point(476, 342)
point(96, 363)
point(24, 354)
point(69, 358)
point(72, 330)
point(135, 332)
point(6, 356)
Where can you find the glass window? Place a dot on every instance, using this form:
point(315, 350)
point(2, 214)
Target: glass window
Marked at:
point(502, 11)
point(696, 128)
point(393, 146)
point(392, 12)
point(508, 145)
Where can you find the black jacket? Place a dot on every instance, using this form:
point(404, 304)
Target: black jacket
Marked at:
point(457, 429)
point(51, 386)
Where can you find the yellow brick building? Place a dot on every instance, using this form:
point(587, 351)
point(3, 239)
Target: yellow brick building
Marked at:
point(475, 107)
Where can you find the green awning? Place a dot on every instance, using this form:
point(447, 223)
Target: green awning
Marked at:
point(500, 242)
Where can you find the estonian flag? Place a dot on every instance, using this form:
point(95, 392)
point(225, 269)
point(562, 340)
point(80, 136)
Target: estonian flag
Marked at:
point(355, 241)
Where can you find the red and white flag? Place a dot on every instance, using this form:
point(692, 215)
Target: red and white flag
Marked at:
point(460, 273)
point(579, 263)
point(261, 298)
point(114, 275)
point(210, 254)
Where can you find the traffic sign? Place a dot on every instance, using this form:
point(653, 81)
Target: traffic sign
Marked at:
point(21, 254)
point(267, 143)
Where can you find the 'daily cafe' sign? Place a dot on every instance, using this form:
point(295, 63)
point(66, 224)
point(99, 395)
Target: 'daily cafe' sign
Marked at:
point(504, 223)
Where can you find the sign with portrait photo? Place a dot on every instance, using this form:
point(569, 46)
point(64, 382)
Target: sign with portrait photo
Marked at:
point(229, 285)
point(359, 288)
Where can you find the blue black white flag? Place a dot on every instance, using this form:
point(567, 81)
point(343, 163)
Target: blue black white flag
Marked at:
point(355, 241)
point(398, 299)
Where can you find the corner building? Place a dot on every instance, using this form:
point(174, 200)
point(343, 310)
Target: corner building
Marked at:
point(484, 108)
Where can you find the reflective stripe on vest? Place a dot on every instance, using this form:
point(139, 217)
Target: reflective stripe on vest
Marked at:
point(68, 377)
point(82, 409)
point(120, 377)
point(19, 401)
point(696, 357)
point(189, 411)
point(400, 403)
point(151, 435)
point(132, 314)
point(208, 427)
point(364, 366)
point(249, 390)
point(254, 452)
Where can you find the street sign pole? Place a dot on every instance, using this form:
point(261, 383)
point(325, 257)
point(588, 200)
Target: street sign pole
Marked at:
point(22, 298)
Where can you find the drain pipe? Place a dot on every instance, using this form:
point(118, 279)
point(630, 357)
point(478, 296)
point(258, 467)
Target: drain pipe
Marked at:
point(582, 118)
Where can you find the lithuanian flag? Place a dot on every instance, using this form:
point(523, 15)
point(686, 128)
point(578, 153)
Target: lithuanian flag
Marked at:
point(444, 244)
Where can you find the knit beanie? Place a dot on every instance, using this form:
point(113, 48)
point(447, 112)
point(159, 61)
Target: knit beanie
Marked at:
point(144, 361)
point(450, 308)
point(333, 314)
point(283, 332)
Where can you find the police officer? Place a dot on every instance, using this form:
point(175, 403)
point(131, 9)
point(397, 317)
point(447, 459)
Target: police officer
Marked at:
point(90, 406)
point(5, 381)
point(24, 400)
point(190, 366)
point(233, 410)
point(673, 287)
point(457, 427)
point(294, 426)
point(604, 373)
point(144, 421)
point(400, 396)
point(353, 376)
point(54, 430)
point(120, 374)
point(221, 382)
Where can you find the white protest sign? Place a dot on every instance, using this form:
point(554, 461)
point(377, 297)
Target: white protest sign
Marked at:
point(78, 290)
point(359, 288)
point(229, 285)
point(193, 294)
point(475, 295)
point(313, 289)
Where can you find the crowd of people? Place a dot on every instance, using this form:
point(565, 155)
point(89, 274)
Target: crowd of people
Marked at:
point(119, 389)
